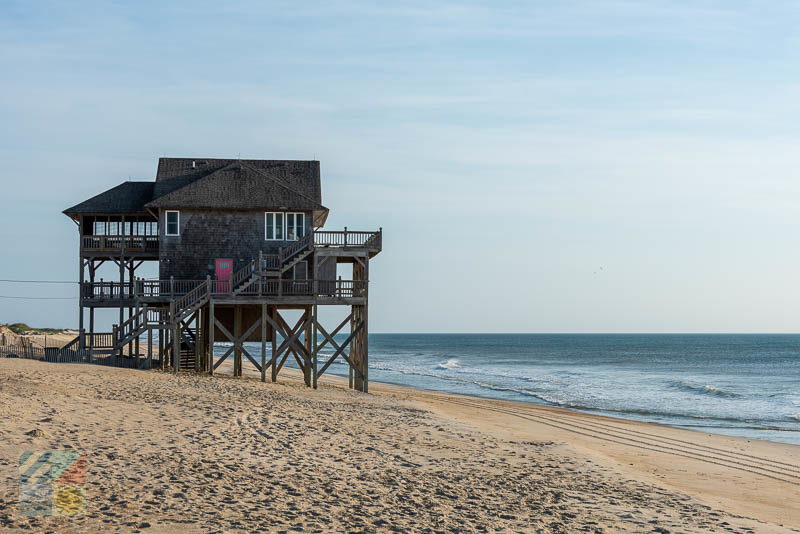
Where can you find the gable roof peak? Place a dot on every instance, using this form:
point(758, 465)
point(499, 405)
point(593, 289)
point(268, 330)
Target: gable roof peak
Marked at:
point(241, 185)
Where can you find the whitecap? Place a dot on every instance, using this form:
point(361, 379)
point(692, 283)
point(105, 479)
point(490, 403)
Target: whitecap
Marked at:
point(706, 389)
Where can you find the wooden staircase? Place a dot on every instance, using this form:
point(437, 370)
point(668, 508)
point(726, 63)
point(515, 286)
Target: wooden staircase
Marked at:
point(136, 325)
point(191, 302)
point(271, 266)
point(296, 252)
point(186, 362)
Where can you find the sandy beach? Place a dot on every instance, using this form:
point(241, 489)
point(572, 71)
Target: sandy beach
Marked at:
point(219, 454)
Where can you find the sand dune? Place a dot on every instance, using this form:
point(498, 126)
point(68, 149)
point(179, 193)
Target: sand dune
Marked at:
point(59, 339)
point(202, 454)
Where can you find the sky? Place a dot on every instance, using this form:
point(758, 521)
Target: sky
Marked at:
point(571, 166)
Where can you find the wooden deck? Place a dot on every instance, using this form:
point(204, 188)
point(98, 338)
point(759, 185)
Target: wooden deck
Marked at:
point(114, 294)
point(372, 242)
point(120, 245)
point(149, 245)
point(261, 280)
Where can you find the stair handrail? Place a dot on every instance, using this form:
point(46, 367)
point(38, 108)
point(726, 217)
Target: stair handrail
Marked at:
point(71, 343)
point(285, 253)
point(190, 299)
point(122, 328)
point(241, 275)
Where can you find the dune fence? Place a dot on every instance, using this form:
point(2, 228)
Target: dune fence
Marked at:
point(67, 354)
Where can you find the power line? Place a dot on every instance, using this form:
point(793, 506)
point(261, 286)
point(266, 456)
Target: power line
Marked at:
point(36, 298)
point(38, 281)
point(15, 297)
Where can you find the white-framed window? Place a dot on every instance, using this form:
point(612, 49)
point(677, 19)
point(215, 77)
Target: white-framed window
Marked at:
point(295, 226)
point(273, 225)
point(173, 219)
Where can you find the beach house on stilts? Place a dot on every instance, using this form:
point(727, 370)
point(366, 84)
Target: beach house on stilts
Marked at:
point(239, 244)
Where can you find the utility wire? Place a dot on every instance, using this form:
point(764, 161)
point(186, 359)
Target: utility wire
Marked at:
point(38, 281)
point(36, 298)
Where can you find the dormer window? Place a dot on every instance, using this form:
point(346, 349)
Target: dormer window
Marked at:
point(172, 222)
point(273, 226)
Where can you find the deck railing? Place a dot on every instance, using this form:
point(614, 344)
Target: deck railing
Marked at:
point(184, 291)
point(311, 288)
point(120, 242)
point(320, 238)
point(348, 238)
point(270, 262)
point(220, 287)
point(164, 288)
point(106, 290)
point(99, 340)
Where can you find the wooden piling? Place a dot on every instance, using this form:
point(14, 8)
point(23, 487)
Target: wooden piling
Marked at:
point(263, 339)
point(274, 362)
point(198, 341)
point(237, 333)
point(315, 353)
point(211, 327)
point(307, 372)
point(149, 348)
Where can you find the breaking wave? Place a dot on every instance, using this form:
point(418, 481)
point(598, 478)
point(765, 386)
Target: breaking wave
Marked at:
point(704, 389)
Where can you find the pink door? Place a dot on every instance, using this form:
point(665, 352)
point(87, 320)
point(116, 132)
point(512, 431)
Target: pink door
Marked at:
point(223, 271)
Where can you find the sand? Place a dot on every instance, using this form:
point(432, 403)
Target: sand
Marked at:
point(219, 454)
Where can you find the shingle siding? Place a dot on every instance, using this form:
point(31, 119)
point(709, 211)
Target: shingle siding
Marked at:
point(207, 235)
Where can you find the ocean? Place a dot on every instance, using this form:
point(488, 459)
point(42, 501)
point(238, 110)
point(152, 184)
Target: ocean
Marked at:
point(742, 385)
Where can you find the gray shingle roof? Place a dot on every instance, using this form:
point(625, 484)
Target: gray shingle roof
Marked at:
point(127, 197)
point(217, 184)
point(301, 176)
point(241, 185)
